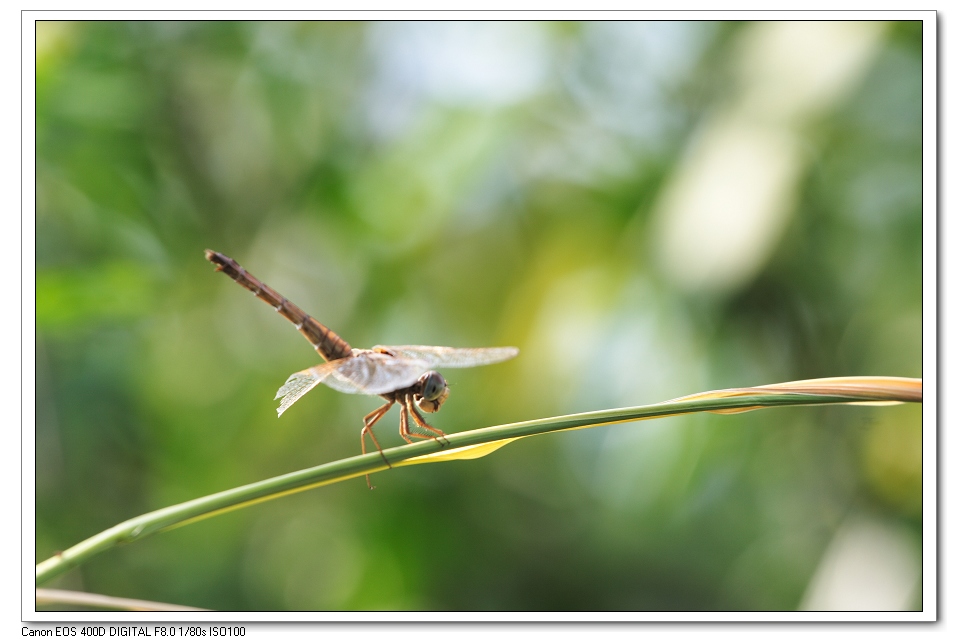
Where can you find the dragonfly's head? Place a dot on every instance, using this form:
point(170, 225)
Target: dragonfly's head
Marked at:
point(434, 391)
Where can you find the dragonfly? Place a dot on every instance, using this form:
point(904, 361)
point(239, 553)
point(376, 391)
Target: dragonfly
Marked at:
point(403, 375)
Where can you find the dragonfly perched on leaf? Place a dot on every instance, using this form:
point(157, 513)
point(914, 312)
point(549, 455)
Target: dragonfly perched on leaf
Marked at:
point(398, 374)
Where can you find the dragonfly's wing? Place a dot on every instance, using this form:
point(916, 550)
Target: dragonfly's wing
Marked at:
point(384, 369)
point(366, 372)
point(299, 383)
point(440, 357)
point(375, 373)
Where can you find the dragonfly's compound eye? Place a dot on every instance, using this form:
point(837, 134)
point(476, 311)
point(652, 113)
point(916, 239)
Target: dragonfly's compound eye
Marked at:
point(434, 391)
point(433, 385)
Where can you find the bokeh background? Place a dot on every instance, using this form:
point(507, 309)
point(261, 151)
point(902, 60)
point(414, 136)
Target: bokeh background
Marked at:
point(646, 209)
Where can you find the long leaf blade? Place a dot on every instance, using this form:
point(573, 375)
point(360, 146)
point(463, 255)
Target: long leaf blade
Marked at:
point(477, 443)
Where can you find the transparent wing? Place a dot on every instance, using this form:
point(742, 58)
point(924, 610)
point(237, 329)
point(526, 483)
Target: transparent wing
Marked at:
point(441, 357)
point(384, 369)
point(375, 373)
point(299, 383)
point(366, 372)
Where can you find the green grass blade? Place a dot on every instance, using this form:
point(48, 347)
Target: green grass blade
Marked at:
point(477, 443)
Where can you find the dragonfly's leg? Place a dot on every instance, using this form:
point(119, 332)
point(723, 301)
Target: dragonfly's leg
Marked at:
point(404, 424)
point(377, 414)
point(438, 435)
point(368, 422)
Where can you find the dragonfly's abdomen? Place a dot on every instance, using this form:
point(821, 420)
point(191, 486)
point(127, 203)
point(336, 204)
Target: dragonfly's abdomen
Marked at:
point(327, 343)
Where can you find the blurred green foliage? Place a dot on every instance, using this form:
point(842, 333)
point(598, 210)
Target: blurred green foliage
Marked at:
point(465, 185)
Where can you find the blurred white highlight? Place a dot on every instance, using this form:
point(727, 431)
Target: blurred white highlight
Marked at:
point(719, 219)
point(868, 566)
point(726, 206)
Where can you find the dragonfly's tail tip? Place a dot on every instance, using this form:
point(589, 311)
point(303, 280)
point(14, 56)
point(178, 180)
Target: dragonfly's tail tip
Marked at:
point(216, 259)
